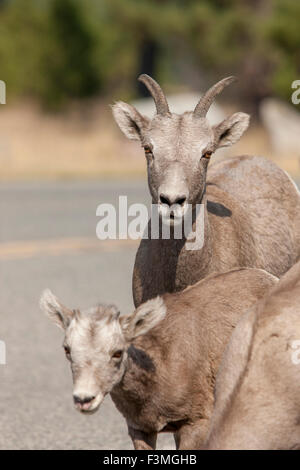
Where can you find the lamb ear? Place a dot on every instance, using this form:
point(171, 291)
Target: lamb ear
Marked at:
point(143, 319)
point(229, 131)
point(129, 120)
point(57, 312)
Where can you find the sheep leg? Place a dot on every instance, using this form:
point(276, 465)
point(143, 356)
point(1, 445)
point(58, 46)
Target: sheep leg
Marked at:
point(192, 436)
point(142, 440)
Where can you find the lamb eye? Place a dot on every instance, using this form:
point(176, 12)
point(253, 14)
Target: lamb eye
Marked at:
point(148, 150)
point(117, 354)
point(207, 155)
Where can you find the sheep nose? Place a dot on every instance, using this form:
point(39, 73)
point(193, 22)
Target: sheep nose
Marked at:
point(79, 400)
point(170, 200)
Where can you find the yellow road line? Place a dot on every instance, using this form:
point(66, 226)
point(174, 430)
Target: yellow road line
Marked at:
point(58, 246)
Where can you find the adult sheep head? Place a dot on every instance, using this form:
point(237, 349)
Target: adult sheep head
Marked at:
point(178, 147)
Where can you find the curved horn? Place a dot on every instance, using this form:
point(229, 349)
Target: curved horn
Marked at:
point(156, 92)
point(207, 99)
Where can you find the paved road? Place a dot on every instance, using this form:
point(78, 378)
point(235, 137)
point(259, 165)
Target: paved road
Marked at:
point(47, 239)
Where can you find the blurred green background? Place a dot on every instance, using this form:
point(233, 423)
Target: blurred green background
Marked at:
point(57, 50)
point(57, 54)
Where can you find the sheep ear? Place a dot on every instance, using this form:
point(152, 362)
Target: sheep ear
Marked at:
point(229, 131)
point(129, 120)
point(57, 312)
point(143, 319)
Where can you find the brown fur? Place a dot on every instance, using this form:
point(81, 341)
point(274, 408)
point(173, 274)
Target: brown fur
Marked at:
point(251, 219)
point(257, 392)
point(170, 375)
point(251, 206)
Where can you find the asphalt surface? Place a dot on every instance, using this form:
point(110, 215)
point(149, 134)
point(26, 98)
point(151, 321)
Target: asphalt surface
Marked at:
point(48, 239)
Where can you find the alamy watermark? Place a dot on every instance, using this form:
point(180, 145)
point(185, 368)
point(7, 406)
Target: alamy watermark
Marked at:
point(296, 93)
point(2, 92)
point(2, 353)
point(166, 222)
point(296, 353)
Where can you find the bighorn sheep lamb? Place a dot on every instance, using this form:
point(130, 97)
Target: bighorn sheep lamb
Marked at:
point(159, 363)
point(251, 207)
point(257, 388)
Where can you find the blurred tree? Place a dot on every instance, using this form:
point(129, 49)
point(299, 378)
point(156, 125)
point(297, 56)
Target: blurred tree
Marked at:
point(21, 47)
point(283, 31)
point(47, 52)
point(147, 62)
point(68, 60)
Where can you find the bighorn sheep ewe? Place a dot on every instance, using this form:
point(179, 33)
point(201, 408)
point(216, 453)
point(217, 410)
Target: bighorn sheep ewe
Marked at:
point(159, 363)
point(257, 388)
point(251, 207)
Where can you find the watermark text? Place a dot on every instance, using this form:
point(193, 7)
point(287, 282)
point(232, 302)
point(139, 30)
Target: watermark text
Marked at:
point(2, 353)
point(296, 353)
point(166, 222)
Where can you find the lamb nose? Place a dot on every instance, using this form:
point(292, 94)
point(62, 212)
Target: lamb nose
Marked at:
point(82, 400)
point(164, 199)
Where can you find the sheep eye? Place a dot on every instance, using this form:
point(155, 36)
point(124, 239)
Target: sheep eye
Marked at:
point(207, 155)
point(67, 351)
point(148, 150)
point(117, 354)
